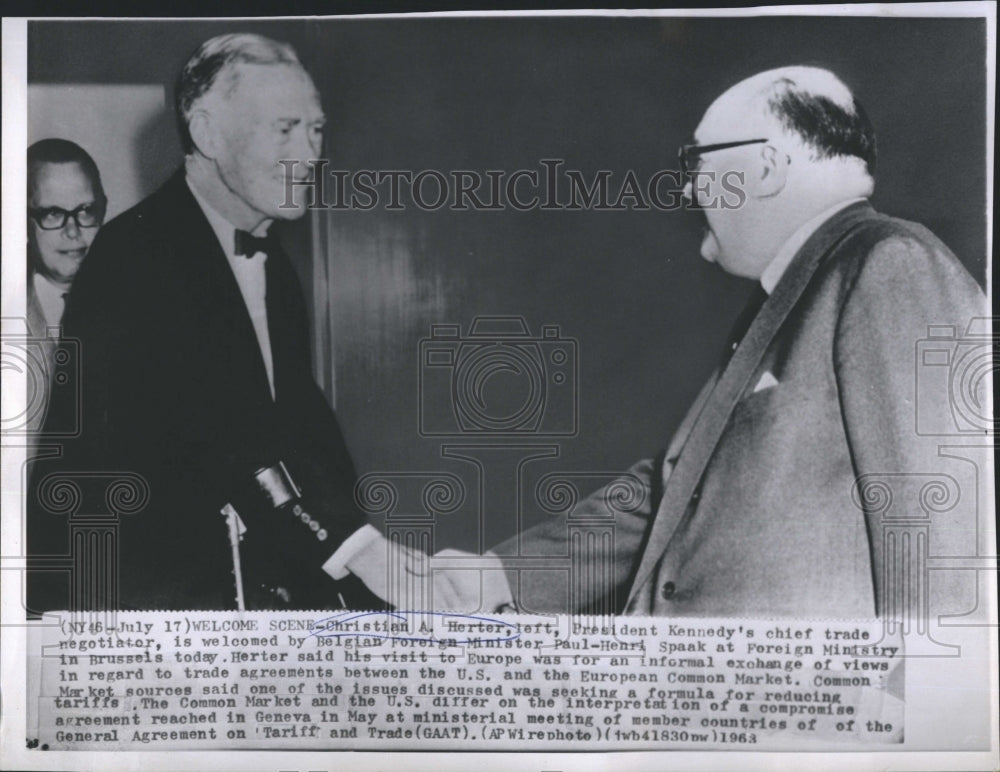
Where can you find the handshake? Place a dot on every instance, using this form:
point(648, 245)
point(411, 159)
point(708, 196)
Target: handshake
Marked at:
point(412, 580)
point(399, 575)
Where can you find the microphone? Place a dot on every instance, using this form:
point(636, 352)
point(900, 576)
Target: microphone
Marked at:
point(275, 510)
point(285, 497)
point(278, 517)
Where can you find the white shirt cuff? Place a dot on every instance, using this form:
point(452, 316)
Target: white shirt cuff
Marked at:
point(336, 564)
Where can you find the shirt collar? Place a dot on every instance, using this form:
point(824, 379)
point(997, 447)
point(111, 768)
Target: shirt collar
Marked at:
point(777, 267)
point(50, 297)
point(225, 231)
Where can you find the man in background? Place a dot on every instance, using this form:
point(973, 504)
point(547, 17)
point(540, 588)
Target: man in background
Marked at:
point(66, 205)
point(771, 497)
point(196, 372)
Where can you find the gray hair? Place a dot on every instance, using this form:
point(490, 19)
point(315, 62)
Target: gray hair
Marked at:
point(214, 59)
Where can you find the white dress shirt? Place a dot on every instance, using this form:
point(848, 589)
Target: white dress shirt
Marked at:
point(51, 298)
point(777, 267)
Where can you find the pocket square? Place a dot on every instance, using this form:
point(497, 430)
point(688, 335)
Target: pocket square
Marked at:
point(766, 381)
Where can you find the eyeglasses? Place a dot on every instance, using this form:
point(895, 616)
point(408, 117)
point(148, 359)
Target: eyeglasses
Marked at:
point(689, 156)
point(54, 218)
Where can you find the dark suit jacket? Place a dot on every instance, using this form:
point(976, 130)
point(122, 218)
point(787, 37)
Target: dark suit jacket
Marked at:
point(790, 484)
point(173, 388)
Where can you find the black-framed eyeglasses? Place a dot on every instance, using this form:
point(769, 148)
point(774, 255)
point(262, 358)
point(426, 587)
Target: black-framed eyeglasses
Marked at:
point(54, 218)
point(689, 156)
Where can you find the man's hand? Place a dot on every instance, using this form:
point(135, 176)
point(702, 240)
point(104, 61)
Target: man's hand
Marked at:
point(470, 583)
point(411, 580)
point(399, 575)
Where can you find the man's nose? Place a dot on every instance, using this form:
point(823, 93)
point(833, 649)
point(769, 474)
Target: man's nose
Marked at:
point(306, 150)
point(71, 230)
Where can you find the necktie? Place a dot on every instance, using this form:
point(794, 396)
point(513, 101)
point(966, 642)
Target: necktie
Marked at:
point(248, 245)
point(743, 322)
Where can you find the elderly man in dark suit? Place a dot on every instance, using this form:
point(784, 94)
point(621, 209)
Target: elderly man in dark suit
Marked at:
point(768, 500)
point(196, 386)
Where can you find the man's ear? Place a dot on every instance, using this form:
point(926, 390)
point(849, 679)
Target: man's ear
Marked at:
point(203, 130)
point(772, 171)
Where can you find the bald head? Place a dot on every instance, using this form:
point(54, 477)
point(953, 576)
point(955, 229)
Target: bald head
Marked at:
point(798, 142)
point(808, 105)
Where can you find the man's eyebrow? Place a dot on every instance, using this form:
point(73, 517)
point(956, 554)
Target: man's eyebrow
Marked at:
point(293, 121)
point(54, 208)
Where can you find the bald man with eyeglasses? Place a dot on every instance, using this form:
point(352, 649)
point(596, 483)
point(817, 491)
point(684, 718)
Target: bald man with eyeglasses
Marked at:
point(806, 480)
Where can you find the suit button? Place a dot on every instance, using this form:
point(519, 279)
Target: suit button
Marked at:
point(667, 590)
point(696, 494)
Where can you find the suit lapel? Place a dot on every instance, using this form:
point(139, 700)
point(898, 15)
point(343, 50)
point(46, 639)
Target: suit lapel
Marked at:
point(711, 422)
point(230, 323)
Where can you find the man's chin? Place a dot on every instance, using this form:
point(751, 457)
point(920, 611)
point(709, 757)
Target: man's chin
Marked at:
point(285, 203)
point(710, 246)
point(293, 211)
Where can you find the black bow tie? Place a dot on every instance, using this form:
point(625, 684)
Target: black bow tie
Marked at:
point(247, 244)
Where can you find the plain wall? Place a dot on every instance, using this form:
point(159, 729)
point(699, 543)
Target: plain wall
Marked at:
point(120, 147)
